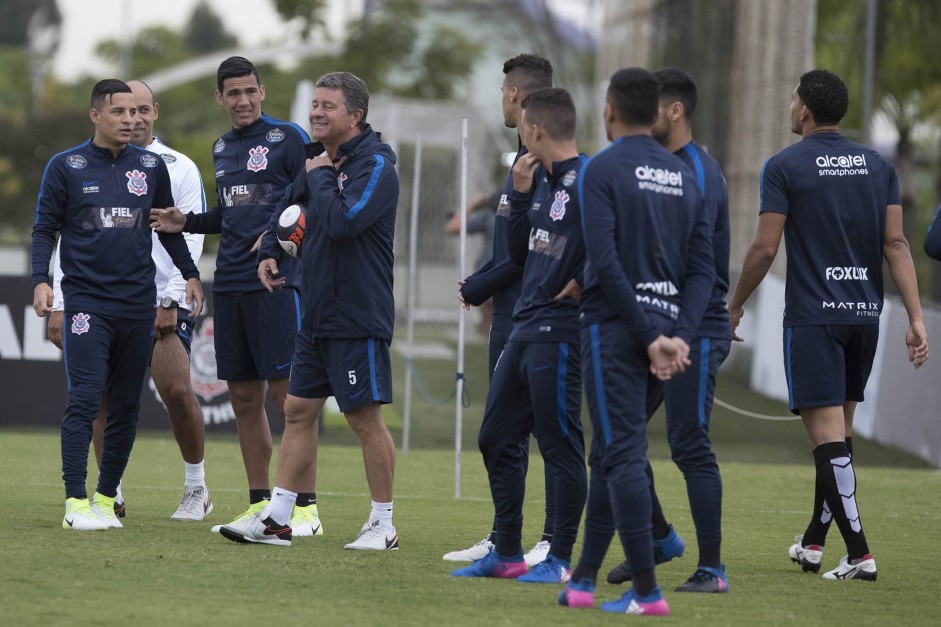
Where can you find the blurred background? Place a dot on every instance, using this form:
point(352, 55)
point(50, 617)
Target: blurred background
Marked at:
point(428, 64)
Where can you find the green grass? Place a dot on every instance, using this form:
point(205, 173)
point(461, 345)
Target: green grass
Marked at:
point(158, 572)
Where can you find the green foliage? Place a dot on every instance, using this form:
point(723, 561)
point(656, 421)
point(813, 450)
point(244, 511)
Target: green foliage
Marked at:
point(306, 12)
point(205, 31)
point(17, 16)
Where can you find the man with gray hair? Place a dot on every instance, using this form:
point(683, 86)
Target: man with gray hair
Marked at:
point(350, 190)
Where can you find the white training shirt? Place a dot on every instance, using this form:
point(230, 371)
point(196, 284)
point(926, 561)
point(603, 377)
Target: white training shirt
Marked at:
point(187, 187)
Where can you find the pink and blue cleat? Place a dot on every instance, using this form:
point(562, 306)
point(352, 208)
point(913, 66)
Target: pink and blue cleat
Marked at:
point(651, 605)
point(579, 593)
point(495, 565)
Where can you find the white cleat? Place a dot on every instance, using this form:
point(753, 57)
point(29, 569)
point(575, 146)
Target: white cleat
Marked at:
point(244, 520)
point(305, 521)
point(374, 537)
point(79, 516)
point(807, 556)
point(195, 504)
point(864, 569)
point(472, 554)
point(103, 506)
point(537, 554)
point(260, 531)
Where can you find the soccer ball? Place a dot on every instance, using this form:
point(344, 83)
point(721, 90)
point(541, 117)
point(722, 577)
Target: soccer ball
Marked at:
point(292, 226)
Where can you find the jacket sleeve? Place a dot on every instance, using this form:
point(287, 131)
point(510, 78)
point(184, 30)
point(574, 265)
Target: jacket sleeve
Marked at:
point(207, 223)
point(520, 226)
point(700, 274)
point(50, 209)
point(489, 280)
point(596, 198)
point(933, 237)
point(366, 197)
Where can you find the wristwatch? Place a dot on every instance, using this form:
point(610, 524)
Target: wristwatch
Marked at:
point(168, 303)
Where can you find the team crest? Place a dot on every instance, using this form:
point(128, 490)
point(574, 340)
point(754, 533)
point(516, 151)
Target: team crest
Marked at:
point(275, 135)
point(148, 161)
point(168, 158)
point(219, 146)
point(569, 178)
point(136, 182)
point(76, 161)
point(557, 210)
point(257, 159)
point(341, 179)
point(80, 323)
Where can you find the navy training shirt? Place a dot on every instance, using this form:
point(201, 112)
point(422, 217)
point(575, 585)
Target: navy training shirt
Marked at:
point(546, 234)
point(715, 321)
point(834, 194)
point(253, 167)
point(100, 204)
point(647, 240)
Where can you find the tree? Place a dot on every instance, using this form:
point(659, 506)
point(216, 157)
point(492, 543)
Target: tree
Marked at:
point(205, 31)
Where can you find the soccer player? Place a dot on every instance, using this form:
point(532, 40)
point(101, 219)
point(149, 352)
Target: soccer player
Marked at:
point(648, 275)
point(173, 327)
point(536, 386)
point(837, 204)
point(98, 195)
point(254, 328)
point(933, 237)
point(689, 396)
point(351, 192)
point(501, 280)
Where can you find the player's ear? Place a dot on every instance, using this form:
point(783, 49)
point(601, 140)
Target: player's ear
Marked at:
point(94, 116)
point(219, 98)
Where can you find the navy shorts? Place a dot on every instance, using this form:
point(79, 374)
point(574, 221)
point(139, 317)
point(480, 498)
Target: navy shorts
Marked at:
point(254, 334)
point(828, 365)
point(356, 372)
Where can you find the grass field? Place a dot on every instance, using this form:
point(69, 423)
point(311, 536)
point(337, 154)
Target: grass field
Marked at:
point(159, 572)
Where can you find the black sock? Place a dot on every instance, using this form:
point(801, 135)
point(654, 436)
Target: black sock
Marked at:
point(585, 572)
point(838, 483)
point(660, 527)
point(709, 555)
point(849, 445)
point(820, 519)
point(306, 498)
point(644, 582)
point(257, 496)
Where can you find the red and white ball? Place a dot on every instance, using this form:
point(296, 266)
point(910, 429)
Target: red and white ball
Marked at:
point(292, 227)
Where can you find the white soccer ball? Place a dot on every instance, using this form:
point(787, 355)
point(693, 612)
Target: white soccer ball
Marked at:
point(292, 227)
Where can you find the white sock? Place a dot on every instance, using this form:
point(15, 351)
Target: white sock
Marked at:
point(119, 498)
point(195, 474)
point(282, 505)
point(382, 511)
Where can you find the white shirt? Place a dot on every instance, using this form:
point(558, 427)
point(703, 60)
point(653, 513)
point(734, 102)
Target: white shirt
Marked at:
point(187, 187)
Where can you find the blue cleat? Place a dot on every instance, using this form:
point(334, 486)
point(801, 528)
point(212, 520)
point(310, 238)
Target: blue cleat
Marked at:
point(550, 570)
point(579, 593)
point(495, 565)
point(651, 605)
point(663, 551)
point(706, 579)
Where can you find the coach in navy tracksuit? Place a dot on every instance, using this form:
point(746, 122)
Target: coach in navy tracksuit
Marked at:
point(500, 279)
point(351, 192)
point(536, 387)
point(648, 275)
point(689, 396)
point(98, 195)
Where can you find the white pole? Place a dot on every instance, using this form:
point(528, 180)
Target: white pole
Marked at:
point(459, 389)
point(412, 291)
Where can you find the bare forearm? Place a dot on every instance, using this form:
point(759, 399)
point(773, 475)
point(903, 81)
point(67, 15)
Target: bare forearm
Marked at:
point(902, 269)
point(757, 262)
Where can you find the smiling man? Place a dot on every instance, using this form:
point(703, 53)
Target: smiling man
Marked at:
point(254, 328)
point(98, 196)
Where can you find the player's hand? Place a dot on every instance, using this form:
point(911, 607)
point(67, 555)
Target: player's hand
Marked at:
point(268, 275)
point(194, 298)
point(571, 290)
point(917, 340)
point(169, 220)
point(460, 295)
point(523, 171)
point(667, 358)
point(165, 323)
point(257, 243)
point(42, 300)
point(54, 328)
point(735, 316)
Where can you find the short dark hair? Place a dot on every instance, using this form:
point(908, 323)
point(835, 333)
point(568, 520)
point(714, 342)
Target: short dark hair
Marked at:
point(552, 109)
point(528, 72)
point(354, 90)
point(677, 85)
point(825, 94)
point(634, 94)
point(107, 87)
point(235, 67)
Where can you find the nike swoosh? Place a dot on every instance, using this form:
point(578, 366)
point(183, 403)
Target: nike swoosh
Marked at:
point(282, 366)
point(276, 532)
point(89, 183)
point(391, 542)
point(68, 522)
point(541, 368)
point(353, 397)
